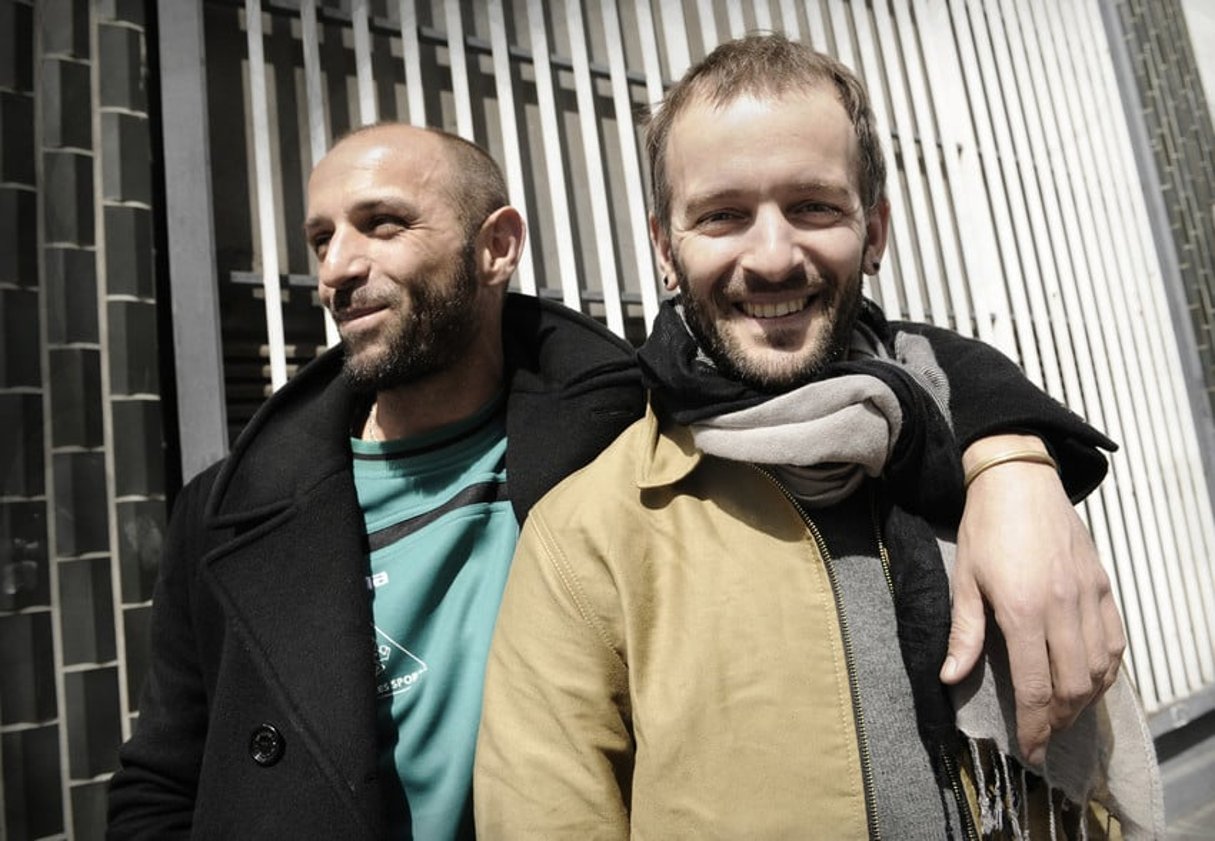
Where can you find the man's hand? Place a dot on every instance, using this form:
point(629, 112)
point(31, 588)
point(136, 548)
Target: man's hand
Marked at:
point(1023, 549)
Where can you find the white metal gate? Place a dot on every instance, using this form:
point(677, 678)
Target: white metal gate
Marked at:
point(1017, 212)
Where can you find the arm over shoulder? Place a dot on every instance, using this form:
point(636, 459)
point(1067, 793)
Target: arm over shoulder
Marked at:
point(989, 395)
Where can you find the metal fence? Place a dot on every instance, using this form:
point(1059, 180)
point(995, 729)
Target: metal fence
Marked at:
point(1017, 214)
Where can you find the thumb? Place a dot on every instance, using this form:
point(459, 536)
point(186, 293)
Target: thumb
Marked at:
point(966, 633)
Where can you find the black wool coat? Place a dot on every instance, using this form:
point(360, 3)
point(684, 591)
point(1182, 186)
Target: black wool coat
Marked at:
point(258, 716)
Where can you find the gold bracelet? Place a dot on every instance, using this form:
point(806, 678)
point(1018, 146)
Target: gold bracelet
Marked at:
point(1016, 455)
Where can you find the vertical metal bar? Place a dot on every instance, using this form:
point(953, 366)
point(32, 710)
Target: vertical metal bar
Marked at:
point(369, 111)
point(763, 15)
point(945, 277)
point(707, 24)
point(902, 234)
point(567, 263)
point(1009, 122)
point(909, 130)
point(975, 74)
point(318, 127)
point(264, 175)
point(976, 236)
point(459, 69)
point(605, 246)
point(649, 52)
point(675, 33)
point(633, 184)
point(500, 52)
point(789, 24)
point(817, 26)
point(190, 222)
point(411, 48)
point(735, 20)
point(841, 34)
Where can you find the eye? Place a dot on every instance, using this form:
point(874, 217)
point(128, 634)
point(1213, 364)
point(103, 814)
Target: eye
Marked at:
point(318, 243)
point(817, 212)
point(715, 221)
point(386, 225)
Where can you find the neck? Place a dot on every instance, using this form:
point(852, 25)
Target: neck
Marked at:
point(434, 402)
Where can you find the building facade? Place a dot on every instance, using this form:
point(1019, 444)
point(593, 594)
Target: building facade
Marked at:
point(1051, 183)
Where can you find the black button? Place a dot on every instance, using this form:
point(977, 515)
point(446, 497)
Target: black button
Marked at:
point(266, 745)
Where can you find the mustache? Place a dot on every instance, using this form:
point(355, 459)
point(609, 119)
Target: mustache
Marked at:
point(798, 280)
point(345, 300)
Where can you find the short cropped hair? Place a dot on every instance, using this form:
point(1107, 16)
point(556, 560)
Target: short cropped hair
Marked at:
point(766, 65)
point(476, 187)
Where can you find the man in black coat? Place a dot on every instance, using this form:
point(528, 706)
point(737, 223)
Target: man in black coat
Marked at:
point(270, 707)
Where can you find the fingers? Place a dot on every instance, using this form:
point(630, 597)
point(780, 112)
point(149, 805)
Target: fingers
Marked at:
point(1032, 689)
point(1115, 639)
point(967, 631)
point(1075, 641)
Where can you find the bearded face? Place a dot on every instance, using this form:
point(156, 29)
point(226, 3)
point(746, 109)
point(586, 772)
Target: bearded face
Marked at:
point(432, 322)
point(784, 357)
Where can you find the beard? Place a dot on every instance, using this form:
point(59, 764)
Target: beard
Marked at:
point(429, 337)
point(734, 361)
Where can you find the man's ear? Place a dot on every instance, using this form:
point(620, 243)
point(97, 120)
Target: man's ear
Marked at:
point(663, 254)
point(877, 230)
point(499, 246)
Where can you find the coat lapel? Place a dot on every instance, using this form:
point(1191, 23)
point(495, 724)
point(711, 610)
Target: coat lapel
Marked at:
point(293, 578)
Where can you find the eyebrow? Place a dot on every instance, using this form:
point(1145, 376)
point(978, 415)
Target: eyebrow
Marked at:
point(827, 189)
point(396, 203)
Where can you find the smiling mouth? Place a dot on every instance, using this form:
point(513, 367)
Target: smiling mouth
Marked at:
point(777, 310)
point(348, 314)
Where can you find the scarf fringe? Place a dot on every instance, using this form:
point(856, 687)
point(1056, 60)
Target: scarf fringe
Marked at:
point(1002, 793)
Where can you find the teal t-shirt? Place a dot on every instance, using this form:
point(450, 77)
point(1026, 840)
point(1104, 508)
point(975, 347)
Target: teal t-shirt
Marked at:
point(441, 532)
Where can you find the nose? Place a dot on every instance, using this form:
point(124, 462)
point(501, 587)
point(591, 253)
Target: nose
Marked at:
point(771, 251)
point(343, 261)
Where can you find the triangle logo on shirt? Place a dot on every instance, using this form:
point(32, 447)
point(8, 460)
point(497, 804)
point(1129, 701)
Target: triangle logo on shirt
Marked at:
point(397, 669)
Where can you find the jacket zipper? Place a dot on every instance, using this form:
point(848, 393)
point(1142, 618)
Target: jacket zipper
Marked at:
point(862, 736)
point(955, 782)
point(881, 544)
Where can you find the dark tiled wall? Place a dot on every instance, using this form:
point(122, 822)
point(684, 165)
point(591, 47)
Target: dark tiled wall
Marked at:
point(82, 462)
point(1178, 121)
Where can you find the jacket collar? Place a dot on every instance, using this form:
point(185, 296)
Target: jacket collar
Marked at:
point(670, 454)
point(296, 440)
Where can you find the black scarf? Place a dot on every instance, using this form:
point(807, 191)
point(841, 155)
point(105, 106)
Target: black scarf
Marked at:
point(924, 473)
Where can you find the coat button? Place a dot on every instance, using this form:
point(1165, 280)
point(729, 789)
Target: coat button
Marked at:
point(266, 745)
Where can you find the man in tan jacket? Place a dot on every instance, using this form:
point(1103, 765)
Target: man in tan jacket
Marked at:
point(732, 624)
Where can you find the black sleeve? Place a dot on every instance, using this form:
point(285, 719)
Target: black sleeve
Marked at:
point(152, 794)
point(988, 395)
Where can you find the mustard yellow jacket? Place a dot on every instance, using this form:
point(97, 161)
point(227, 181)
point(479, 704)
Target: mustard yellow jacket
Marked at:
point(668, 661)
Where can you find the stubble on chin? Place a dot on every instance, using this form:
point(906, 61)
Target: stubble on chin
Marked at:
point(427, 338)
point(778, 366)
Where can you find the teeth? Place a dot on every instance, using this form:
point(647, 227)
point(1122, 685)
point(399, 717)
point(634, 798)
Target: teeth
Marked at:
point(773, 310)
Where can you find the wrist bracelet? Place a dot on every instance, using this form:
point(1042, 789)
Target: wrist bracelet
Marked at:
point(1016, 455)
